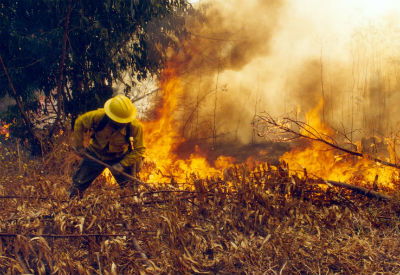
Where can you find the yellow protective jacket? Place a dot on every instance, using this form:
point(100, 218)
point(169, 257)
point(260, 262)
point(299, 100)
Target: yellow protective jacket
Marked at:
point(108, 143)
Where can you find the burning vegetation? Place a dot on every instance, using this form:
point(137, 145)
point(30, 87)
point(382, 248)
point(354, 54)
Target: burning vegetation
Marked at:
point(4, 130)
point(234, 190)
point(254, 219)
point(224, 217)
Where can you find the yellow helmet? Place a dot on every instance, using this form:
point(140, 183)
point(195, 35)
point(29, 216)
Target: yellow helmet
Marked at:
point(120, 109)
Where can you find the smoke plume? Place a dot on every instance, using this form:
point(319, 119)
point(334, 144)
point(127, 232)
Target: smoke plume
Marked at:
point(281, 57)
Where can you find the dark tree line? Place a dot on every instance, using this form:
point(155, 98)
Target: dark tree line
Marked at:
point(72, 51)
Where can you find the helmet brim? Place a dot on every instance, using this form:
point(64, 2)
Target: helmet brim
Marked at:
point(116, 118)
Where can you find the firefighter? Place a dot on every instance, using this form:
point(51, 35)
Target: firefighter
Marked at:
point(116, 139)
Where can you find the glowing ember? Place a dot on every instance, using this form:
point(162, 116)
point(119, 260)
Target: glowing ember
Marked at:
point(5, 131)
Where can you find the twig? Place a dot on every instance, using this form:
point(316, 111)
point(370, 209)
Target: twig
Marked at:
point(159, 192)
point(143, 96)
point(214, 129)
point(282, 268)
point(24, 197)
point(58, 236)
point(141, 252)
point(215, 38)
point(22, 264)
point(99, 263)
point(19, 158)
point(195, 109)
point(172, 199)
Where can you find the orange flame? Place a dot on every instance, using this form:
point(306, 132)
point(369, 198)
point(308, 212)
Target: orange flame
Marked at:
point(162, 139)
point(5, 131)
point(322, 161)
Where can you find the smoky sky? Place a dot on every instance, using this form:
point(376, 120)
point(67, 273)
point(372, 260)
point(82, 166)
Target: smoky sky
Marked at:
point(245, 58)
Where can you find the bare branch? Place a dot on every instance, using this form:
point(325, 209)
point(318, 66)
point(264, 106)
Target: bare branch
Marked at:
point(267, 125)
point(145, 95)
point(61, 76)
point(25, 117)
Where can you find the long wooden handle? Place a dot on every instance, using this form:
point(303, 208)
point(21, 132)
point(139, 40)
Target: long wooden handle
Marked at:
point(148, 187)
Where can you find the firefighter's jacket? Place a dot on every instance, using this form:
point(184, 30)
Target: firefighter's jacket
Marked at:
point(108, 143)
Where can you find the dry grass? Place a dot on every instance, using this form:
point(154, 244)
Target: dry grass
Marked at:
point(253, 222)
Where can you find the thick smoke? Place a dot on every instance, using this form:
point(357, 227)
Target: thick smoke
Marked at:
point(223, 88)
point(281, 57)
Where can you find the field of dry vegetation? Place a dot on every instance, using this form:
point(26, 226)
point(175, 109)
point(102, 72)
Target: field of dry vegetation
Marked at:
point(254, 221)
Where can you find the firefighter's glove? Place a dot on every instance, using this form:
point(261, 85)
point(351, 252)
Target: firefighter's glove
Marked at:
point(80, 151)
point(117, 168)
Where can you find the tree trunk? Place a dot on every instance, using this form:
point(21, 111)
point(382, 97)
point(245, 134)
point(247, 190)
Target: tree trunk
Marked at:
point(35, 140)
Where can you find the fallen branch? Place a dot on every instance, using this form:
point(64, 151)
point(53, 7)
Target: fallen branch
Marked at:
point(359, 190)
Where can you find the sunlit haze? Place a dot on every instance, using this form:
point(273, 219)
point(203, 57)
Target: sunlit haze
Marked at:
point(277, 53)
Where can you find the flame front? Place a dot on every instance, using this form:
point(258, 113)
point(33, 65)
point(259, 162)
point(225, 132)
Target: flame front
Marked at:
point(162, 139)
point(321, 160)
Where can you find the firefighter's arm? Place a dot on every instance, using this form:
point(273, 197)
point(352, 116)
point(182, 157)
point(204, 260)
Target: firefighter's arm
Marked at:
point(84, 123)
point(138, 147)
